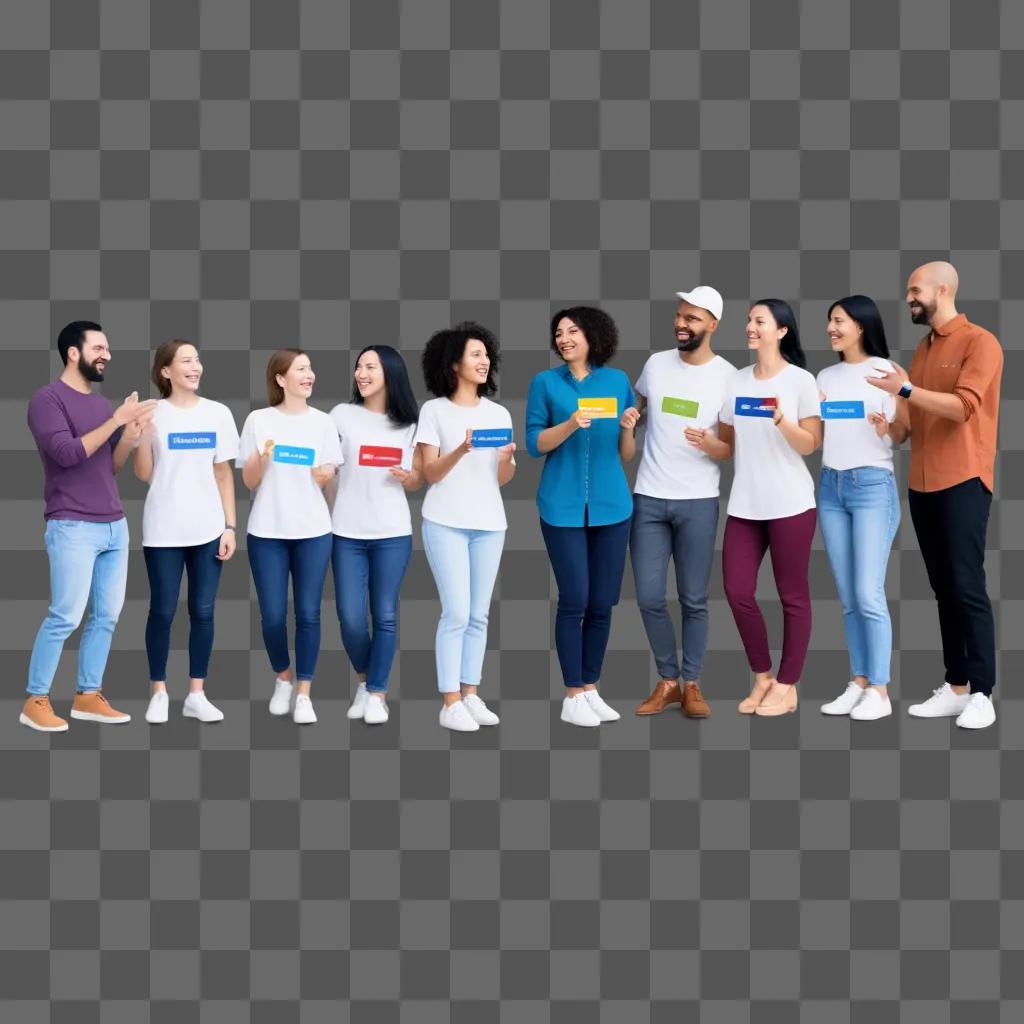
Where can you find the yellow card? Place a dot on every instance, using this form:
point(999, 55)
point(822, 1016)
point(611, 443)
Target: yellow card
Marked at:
point(600, 408)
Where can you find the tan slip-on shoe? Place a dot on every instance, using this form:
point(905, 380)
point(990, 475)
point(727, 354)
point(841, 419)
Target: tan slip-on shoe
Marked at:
point(94, 707)
point(774, 704)
point(665, 693)
point(749, 705)
point(37, 714)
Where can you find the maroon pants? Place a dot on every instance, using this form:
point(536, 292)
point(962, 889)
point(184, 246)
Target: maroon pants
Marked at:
point(746, 541)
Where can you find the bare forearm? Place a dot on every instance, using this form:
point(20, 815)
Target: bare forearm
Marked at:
point(798, 438)
point(97, 438)
point(548, 440)
point(938, 403)
point(122, 453)
point(252, 471)
point(716, 448)
point(506, 470)
point(435, 470)
point(226, 486)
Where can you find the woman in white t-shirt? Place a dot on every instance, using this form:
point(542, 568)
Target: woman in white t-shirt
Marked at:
point(858, 503)
point(188, 520)
point(465, 441)
point(771, 418)
point(371, 521)
point(289, 452)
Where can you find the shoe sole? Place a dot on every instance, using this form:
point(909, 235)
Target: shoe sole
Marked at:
point(280, 714)
point(379, 721)
point(973, 727)
point(25, 720)
point(581, 725)
point(648, 714)
point(361, 716)
point(696, 714)
point(206, 721)
point(951, 714)
point(873, 718)
point(156, 721)
point(88, 716)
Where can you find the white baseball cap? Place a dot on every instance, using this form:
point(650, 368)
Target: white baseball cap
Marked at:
point(706, 297)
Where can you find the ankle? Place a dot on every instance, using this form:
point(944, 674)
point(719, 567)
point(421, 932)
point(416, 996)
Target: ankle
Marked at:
point(451, 698)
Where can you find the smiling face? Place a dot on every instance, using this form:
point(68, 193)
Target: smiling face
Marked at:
point(93, 356)
point(475, 363)
point(369, 375)
point(922, 298)
point(298, 381)
point(184, 370)
point(844, 333)
point(763, 331)
point(693, 325)
point(571, 342)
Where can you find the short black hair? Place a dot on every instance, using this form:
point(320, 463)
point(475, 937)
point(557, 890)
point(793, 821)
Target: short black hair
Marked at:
point(400, 405)
point(599, 328)
point(73, 336)
point(863, 310)
point(447, 347)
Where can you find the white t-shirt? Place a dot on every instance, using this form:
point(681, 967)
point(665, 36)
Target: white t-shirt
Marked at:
point(771, 480)
point(468, 497)
point(679, 396)
point(183, 506)
point(371, 503)
point(850, 440)
point(288, 503)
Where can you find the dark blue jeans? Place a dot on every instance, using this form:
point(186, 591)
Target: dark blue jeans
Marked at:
point(306, 559)
point(368, 575)
point(164, 567)
point(588, 562)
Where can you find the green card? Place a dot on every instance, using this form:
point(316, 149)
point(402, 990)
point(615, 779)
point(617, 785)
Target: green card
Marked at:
point(680, 407)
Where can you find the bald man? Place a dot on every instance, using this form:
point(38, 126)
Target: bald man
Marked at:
point(952, 403)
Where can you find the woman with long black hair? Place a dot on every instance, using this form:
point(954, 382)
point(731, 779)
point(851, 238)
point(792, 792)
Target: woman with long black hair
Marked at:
point(370, 519)
point(772, 420)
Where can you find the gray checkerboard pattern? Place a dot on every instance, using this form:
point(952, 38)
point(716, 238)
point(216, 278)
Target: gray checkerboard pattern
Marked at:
point(342, 172)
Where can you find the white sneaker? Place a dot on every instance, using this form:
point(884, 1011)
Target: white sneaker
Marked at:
point(156, 713)
point(980, 712)
point(598, 706)
point(457, 717)
point(871, 706)
point(479, 711)
point(197, 705)
point(281, 702)
point(303, 713)
point(576, 711)
point(943, 703)
point(376, 710)
point(846, 701)
point(358, 706)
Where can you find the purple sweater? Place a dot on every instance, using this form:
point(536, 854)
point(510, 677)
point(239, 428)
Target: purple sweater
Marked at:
point(77, 486)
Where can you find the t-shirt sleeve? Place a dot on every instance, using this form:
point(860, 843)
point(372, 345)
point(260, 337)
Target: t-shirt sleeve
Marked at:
point(247, 443)
point(331, 451)
point(725, 413)
point(227, 438)
point(641, 381)
point(428, 431)
point(808, 403)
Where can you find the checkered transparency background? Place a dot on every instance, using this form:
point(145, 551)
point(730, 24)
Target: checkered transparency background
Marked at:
point(347, 173)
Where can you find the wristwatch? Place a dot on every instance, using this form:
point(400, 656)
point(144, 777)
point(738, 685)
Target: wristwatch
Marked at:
point(904, 392)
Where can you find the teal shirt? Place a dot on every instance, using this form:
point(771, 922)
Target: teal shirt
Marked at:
point(584, 473)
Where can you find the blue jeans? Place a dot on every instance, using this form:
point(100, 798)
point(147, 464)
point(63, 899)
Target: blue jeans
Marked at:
point(465, 566)
point(683, 530)
point(88, 567)
point(271, 560)
point(368, 575)
point(859, 512)
point(164, 567)
point(588, 562)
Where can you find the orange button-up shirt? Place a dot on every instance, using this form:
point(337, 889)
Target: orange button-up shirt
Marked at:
point(962, 359)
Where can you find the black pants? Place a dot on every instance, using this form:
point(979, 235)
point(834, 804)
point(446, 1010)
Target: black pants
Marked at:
point(951, 525)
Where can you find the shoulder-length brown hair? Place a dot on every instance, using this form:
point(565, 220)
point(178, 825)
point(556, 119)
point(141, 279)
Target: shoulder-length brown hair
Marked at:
point(279, 364)
point(162, 357)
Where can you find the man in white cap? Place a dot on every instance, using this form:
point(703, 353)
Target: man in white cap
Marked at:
point(675, 505)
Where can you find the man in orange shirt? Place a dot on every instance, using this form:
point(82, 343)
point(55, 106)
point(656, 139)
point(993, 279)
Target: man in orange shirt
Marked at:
point(952, 403)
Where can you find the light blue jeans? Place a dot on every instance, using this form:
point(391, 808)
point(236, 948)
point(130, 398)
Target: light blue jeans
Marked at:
point(859, 512)
point(88, 568)
point(465, 566)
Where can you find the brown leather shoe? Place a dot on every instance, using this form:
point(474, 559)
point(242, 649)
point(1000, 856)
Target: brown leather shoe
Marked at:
point(665, 693)
point(694, 704)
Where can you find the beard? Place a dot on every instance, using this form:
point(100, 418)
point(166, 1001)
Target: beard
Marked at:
point(924, 315)
point(90, 371)
point(693, 343)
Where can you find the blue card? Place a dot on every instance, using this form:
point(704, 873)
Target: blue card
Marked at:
point(763, 407)
point(842, 410)
point(291, 455)
point(192, 440)
point(492, 438)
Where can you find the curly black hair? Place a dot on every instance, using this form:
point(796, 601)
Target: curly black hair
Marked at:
point(447, 347)
point(600, 330)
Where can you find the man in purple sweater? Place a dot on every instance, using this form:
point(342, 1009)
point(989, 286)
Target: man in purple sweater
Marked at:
point(83, 441)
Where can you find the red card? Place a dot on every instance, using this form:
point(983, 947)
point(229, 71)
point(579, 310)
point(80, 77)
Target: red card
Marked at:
point(375, 455)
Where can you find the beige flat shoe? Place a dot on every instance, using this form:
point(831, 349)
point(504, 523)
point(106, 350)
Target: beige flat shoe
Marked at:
point(750, 704)
point(775, 705)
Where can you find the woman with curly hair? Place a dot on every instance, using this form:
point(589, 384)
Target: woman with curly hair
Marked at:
point(464, 441)
point(581, 416)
